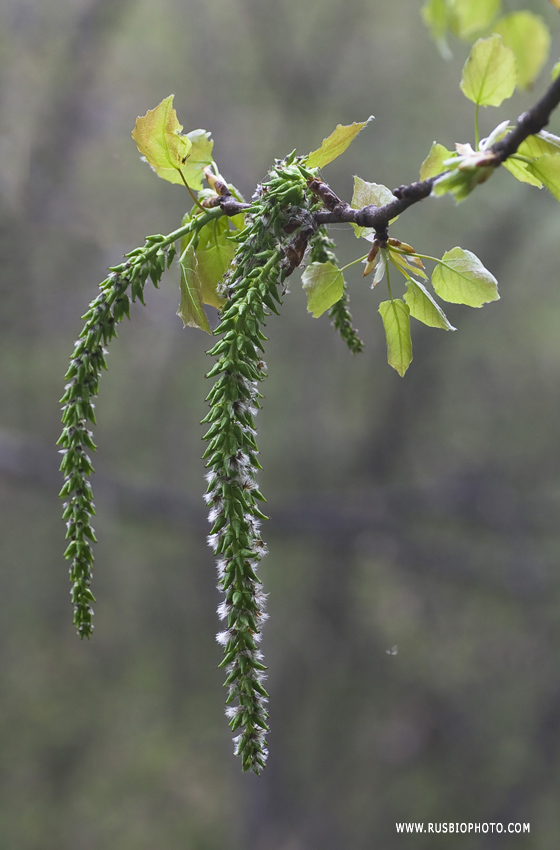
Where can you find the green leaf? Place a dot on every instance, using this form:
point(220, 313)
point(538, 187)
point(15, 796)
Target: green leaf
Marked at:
point(369, 193)
point(540, 144)
point(435, 15)
point(460, 278)
point(335, 144)
point(190, 309)
point(490, 73)
point(396, 321)
point(324, 285)
point(473, 16)
point(547, 169)
point(521, 172)
point(534, 146)
point(424, 307)
point(529, 38)
point(433, 164)
point(199, 157)
point(461, 181)
point(214, 254)
point(158, 137)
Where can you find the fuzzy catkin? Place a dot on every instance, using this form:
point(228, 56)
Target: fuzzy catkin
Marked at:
point(268, 250)
point(86, 365)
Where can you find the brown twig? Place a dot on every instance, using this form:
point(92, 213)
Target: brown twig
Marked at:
point(338, 211)
point(528, 124)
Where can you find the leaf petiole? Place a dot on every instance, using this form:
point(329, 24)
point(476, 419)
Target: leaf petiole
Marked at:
point(528, 159)
point(389, 288)
point(416, 254)
point(190, 191)
point(426, 257)
point(476, 127)
point(353, 263)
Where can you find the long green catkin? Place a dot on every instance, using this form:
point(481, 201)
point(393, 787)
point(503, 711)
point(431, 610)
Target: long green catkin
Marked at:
point(84, 372)
point(269, 248)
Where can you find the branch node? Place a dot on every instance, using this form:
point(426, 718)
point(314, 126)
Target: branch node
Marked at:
point(363, 217)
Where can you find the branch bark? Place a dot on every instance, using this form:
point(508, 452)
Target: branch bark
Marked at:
point(337, 211)
point(528, 124)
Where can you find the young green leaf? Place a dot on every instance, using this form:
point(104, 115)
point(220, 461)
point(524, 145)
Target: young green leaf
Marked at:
point(324, 285)
point(461, 181)
point(158, 137)
point(406, 263)
point(335, 144)
point(214, 254)
point(547, 169)
point(424, 307)
point(529, 38)
point(534, 147)
point(460, 278)
point(433, 164)
point(435, 15)
point(521, 172)
point(396, 322)
point(200, 156)
point(380, 267)
point(369, 193)
point(190, 309)
point(490, 72)
point(543, 142)
point(473, 16)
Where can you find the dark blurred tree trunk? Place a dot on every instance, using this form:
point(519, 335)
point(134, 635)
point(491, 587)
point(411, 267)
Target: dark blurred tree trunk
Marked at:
point(30, 237)
point(65, 118)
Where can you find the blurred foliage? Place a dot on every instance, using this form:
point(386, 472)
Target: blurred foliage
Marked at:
point(420, 513)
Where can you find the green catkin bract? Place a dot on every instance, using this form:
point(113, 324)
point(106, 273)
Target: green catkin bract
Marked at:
point(269, 249)
point(124, 284)
point(322, 251)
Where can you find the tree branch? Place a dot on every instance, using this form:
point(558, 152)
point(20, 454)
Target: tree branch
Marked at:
point(528, 124)
point(338, 211)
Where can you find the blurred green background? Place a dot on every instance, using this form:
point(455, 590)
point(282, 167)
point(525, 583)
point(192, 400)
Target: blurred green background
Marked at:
point(421, 513)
